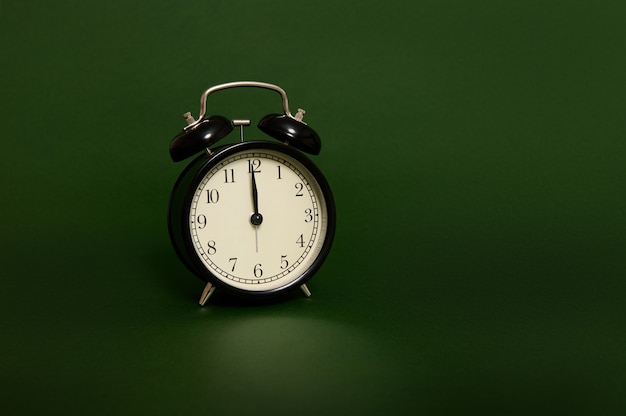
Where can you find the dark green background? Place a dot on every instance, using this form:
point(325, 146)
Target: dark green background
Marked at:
point(476, 152)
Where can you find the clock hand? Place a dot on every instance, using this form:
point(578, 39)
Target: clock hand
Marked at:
point(256, 218)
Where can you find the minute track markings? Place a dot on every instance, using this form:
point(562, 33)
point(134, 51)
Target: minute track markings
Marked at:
point(312, 233)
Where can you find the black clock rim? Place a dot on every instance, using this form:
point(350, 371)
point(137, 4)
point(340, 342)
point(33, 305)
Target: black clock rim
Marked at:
point(180, 204)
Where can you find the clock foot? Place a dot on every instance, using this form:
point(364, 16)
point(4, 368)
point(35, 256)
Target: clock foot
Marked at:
point(206, 293)
point(306, 291)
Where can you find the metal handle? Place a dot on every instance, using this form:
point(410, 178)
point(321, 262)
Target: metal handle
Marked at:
point(237, 84)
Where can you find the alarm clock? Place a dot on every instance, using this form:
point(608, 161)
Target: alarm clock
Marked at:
point(255, 218)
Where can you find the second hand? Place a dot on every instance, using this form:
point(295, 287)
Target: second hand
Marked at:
point(256, 219)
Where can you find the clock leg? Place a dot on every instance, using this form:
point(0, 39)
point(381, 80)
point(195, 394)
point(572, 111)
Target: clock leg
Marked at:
point(206, 293)
point(306, 291)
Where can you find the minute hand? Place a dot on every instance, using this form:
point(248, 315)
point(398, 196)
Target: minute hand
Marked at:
point(256, 218)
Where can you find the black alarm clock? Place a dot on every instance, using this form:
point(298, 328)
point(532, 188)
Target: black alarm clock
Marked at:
point(255, 218)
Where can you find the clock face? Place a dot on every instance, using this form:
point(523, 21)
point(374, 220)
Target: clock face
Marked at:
point(259, 219)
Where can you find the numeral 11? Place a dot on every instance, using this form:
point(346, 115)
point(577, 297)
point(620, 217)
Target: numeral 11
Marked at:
point(229, 175)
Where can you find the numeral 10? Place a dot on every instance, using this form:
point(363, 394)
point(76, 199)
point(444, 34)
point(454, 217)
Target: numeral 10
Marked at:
point(212, 196)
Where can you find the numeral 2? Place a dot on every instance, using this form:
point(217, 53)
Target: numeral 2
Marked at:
point(299, 188)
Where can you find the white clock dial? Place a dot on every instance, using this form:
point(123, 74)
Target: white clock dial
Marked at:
point(265, 245)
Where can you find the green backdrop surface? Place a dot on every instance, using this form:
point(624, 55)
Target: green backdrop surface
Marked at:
point(476, 153)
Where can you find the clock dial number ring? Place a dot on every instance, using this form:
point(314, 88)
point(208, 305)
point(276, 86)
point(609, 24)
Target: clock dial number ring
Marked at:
point(244, 248)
